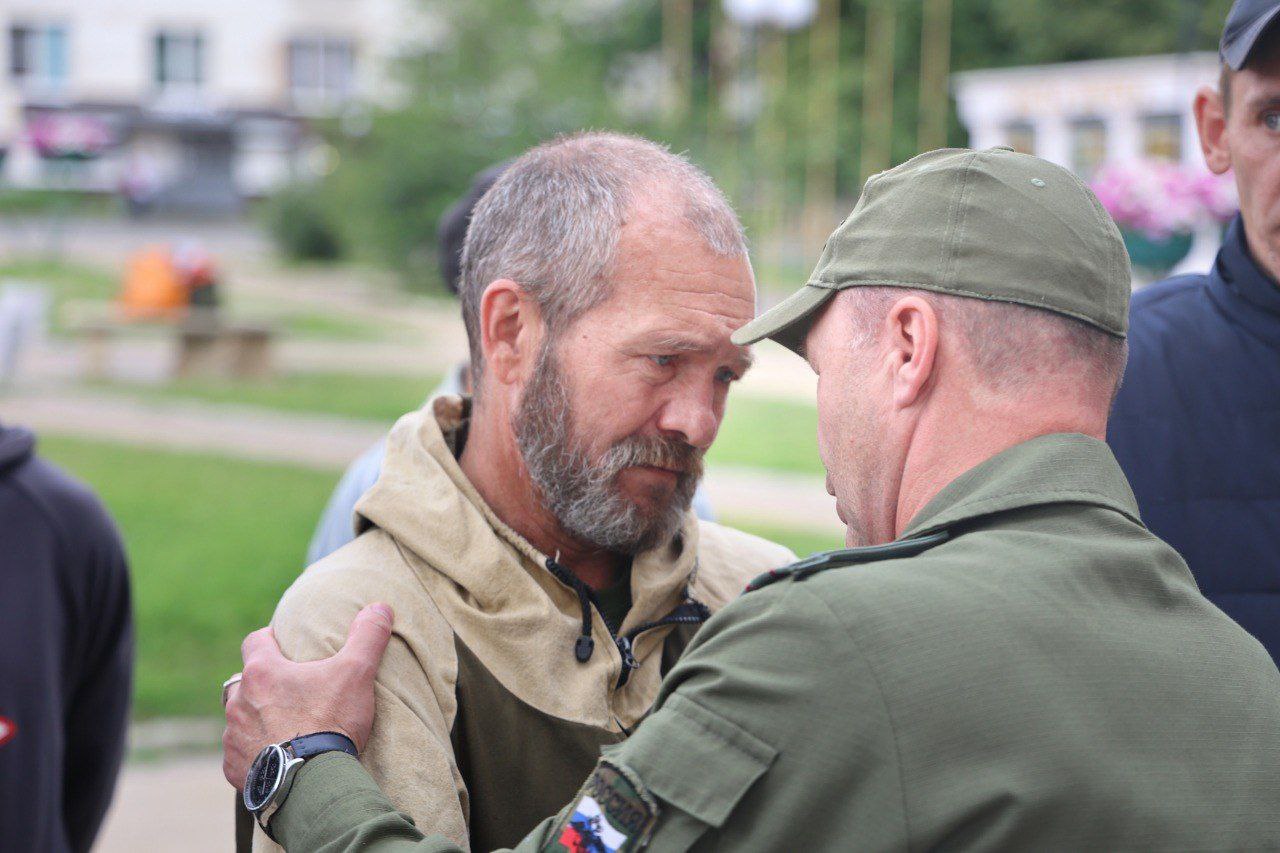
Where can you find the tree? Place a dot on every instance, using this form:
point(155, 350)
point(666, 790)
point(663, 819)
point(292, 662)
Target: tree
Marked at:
point(499, 78)
point(502, 76)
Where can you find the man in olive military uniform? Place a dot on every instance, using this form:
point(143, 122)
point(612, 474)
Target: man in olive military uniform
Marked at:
point(1005, 658)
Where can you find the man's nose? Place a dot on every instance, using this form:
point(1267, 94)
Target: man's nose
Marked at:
point(692, 416)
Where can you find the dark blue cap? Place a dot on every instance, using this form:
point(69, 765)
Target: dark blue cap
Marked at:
point(1246, 22)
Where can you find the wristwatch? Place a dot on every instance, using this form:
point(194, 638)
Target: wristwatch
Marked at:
point(272, 772)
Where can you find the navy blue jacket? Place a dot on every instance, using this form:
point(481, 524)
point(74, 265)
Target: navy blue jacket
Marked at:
point(1196, 428)
point(66, 654)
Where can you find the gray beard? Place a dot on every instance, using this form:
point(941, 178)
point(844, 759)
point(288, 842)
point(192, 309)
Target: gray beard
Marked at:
point(584, 495)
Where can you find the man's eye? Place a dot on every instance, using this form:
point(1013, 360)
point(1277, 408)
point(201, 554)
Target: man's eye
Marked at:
point(1272, 121)
point(726, 376)
point(662, 360)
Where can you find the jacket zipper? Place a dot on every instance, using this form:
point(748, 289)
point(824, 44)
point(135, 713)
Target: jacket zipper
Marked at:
point(690, 612)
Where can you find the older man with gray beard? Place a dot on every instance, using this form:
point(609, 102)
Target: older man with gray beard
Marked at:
point(537, 541)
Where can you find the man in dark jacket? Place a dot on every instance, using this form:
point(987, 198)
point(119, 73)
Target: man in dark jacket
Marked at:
point(66, 654)
point(1196, 426)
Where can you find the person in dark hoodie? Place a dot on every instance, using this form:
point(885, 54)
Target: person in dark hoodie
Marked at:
point(66, 654)
point(1196, 425)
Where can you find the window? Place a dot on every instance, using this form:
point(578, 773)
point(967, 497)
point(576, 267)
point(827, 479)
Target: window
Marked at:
point(321, 70)
point(179, 59)
point(1088, 146)
point(1162, 137)
point(38, 55)
point(1021, 136)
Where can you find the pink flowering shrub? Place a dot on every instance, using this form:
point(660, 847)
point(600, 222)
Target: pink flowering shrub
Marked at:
point(1160, 199)
point(68, 135)
point(1219, 196)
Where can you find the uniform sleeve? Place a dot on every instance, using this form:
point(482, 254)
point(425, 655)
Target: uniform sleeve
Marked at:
point(409, 753)
point(97, 709)
point(334, 806)
point(769, 734)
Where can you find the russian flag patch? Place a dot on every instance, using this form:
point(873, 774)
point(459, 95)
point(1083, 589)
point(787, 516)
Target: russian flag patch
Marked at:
point(613, 814)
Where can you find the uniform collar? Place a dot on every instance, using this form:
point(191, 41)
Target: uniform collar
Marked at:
point(1048, 469)
point(1242, 289)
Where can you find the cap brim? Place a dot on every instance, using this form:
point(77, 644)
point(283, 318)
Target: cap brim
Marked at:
point(787, 322)
point(1238, 54)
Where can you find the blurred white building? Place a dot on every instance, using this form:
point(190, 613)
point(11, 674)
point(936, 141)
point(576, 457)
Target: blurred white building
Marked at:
point(1083, 114)
point(204, 102)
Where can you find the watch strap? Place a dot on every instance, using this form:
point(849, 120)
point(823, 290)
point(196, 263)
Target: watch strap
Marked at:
point(297, 751)
point(309, 746)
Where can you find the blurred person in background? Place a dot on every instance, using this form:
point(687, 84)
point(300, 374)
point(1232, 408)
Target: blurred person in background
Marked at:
point(1196, 425)
point(537, 538)
point(66, 654)
point(198, 272)
point(336, 526)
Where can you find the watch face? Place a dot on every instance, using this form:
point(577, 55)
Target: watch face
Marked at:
point(264, 778)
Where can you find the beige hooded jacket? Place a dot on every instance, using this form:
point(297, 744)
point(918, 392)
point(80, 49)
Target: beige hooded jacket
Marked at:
point(487, 718)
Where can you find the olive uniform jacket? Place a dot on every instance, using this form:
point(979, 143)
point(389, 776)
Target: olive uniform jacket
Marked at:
point(502, 680)
point(1027, 669)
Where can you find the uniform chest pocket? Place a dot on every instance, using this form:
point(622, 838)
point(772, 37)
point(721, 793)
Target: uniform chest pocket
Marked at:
point(694, 760)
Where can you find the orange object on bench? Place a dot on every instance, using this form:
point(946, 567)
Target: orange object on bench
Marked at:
point(153, 286)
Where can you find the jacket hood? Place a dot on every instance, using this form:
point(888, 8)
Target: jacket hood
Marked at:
point(424, 500)
point(498, 592)
point(16, 445)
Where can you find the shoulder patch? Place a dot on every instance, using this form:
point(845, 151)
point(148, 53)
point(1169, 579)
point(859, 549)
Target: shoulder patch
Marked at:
point(612, 814)
point(8, 730)
point(849, 557)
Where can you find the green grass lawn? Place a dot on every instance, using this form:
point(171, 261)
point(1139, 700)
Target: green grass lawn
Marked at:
point(15, 202)
point(212, 542)
point(66, 280)
point(381, 398)
point(769, 434)
point(318, 324)
point(70, 281)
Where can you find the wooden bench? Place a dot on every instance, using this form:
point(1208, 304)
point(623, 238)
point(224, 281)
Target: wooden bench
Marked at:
point(206, 345)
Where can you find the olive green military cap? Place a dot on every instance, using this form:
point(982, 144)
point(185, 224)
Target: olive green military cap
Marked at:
point(992, 224)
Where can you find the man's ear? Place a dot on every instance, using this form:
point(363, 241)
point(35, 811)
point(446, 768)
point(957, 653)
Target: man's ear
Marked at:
point(1211, 122)
point(510, 331)
point(913, 336)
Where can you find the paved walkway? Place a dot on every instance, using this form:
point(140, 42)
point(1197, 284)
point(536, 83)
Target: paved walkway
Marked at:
point(179, 803)
point(314, 441)
point(330, 443)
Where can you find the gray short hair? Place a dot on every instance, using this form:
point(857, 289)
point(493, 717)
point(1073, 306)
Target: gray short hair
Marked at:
point(551, 222)
point(1012, 346)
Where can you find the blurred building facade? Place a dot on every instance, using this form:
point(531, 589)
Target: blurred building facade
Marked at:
point(1084, 114)
point(196, 105)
